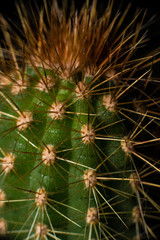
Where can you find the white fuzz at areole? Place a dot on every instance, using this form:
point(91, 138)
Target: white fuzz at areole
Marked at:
point(46, 84)
point(134, 182)
point(57, 110)
point(18, 87)
point(109, 102)
point(41, 231)
point(87, 133)
point(136, 214)
point(3, 226)
point(8, 162)
point(90, 178)
point(2, 198)
point(41, 197)
point(48, 155)
point(92, 216)
point(24, 120)
point(82, 90)
point(127, 145)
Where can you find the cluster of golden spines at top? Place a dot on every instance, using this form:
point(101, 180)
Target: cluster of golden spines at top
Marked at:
point(65, 44)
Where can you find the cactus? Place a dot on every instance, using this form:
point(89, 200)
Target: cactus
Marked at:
point(78, 113)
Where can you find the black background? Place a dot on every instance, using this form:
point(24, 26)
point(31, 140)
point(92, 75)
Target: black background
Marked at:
point(8, 10)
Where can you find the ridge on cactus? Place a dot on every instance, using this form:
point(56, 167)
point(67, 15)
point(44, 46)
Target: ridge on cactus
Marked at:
point(79, 111)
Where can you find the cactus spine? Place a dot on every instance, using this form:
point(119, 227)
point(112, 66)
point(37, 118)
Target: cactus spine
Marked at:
point(76, 117)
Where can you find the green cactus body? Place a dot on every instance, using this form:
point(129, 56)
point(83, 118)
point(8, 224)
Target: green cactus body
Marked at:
point(67, 149)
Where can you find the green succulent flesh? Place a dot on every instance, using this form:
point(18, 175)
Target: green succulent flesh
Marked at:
point(67, 199)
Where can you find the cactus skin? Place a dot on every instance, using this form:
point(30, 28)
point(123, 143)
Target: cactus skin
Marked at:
point(69, 129)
